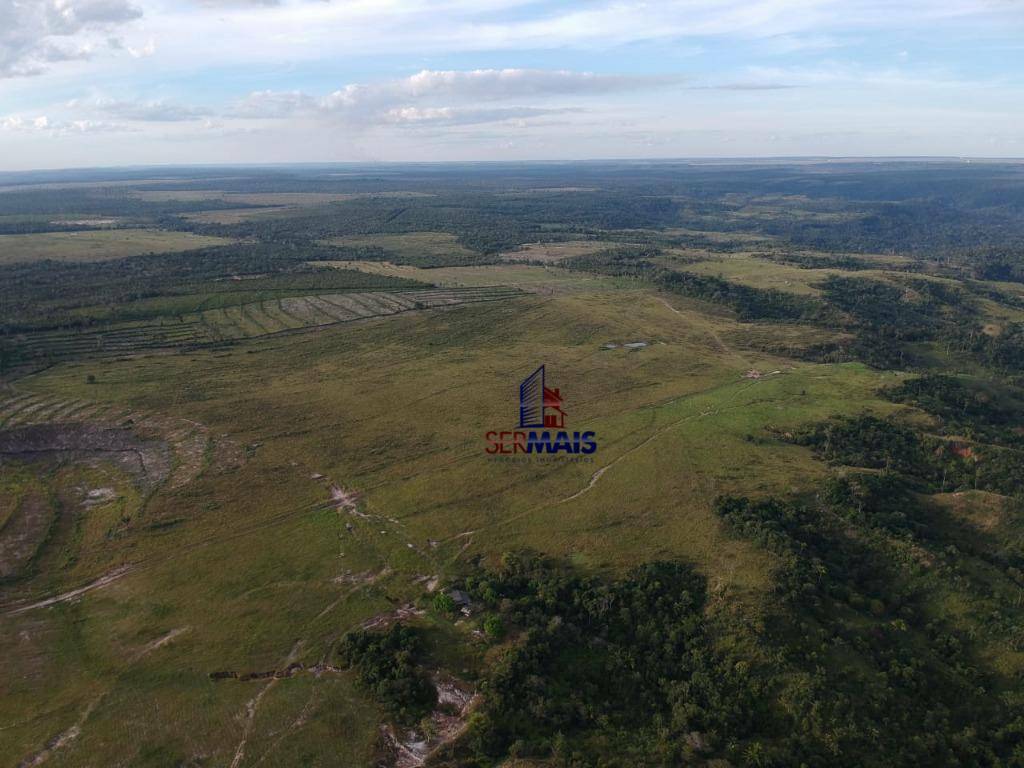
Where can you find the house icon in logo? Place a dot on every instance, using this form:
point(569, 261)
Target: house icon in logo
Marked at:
point(539, 405)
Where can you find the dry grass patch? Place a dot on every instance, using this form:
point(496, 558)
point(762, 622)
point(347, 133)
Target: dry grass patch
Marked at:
point(553, 252)
point(534, 279)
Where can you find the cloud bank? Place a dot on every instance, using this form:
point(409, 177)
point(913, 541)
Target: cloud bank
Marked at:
point(230, 80)
point(38, 33)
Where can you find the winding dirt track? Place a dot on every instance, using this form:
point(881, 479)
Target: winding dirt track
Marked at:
point(63, 597)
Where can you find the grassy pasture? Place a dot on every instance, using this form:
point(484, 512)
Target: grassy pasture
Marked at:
point(761, 273)
point(70, 220)
point(747, 269)
point(100, 245)
point(537, 279)
point(236, 215)
point(396, 410)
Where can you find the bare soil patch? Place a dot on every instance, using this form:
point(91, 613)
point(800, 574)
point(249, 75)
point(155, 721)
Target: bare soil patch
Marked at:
point(24, 533)
point(147, 461)
point(552, 253)
point(413, 748)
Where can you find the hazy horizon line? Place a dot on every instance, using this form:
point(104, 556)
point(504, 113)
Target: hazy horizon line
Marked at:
point(695, 159)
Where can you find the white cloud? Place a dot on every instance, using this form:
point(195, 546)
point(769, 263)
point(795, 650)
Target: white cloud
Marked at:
point(497, 84)
point(143, 51)
point(275, 104)
point(35, 33)
point(18, 123)
point(44, 125)
point(156, 111)
point(425, 95)
point(434, 116)
point(302, 29)
point(756, 69)
point(859, 76)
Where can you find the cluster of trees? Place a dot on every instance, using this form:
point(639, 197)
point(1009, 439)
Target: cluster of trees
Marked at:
point(889, 321)
point(601, 672)
point(938, 464)
point(884, 679)
point(915, 312)
point(388, 665)
point(1003, 351)
point(896, 208)
point(633, 261)
point(982, 410)
point(479, 231)
point(999, 264)
point(850, 666)
point(485, 223)
point(821, 261)
point(28, 225)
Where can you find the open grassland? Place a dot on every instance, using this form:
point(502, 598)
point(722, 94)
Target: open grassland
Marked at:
point(552, 253)
point(249, 567)
point(101, 245)
point(236, 215)
point(761, 273)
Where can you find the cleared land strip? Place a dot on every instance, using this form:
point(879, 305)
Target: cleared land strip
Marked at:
point(247, 321)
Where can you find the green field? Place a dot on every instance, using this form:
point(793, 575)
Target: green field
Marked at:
point(101, 245)
point(395, 410)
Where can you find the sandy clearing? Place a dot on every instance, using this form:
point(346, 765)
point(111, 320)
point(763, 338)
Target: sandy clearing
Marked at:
point(160, 642)
point(447, 722)
point(346, 501)
point(402, 613)
point(59, 741)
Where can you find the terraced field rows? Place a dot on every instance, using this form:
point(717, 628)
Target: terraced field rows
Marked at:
point(189, 441)
point(244, 322)
point(294, 313)
point(23, 410)
point(112, 341)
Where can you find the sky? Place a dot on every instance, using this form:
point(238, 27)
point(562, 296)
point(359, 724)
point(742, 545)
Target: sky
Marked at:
point(87, 83)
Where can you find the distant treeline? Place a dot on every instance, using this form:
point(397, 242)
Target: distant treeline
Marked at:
point(49, 294)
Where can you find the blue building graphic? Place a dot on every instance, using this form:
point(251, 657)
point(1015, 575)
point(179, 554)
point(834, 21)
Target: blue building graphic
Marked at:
point(539, 405)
